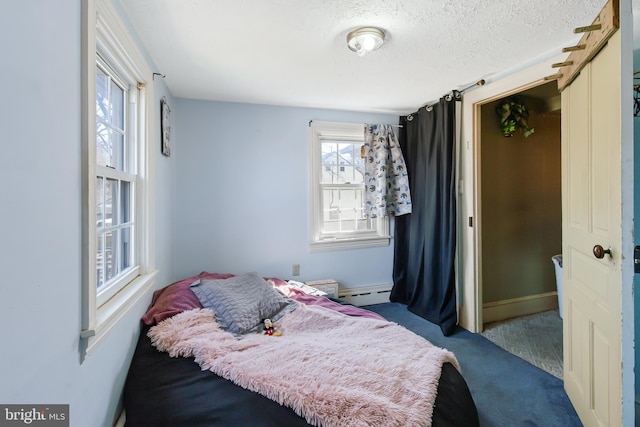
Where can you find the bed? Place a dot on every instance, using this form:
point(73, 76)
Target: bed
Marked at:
point(205, 358)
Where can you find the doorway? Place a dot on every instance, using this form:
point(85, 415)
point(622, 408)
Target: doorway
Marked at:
point(521, 228)
point(470, 283)
point(520, 207)
point(472, 232)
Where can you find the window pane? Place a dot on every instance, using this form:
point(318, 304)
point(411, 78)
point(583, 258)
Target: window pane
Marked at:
point(331, 226)
point(357, 154)
point(100, 261)
point(349, 216)
point(329, 174)
point(102, 95)
point(348, 208)
point(358, 170)
point(331, 211)
point(103, 145)
point(363, 224)
point(125, 202)
point(99, 202)
point(125, 248)
point(111, 202)
point(345, 153)
point(329, 153)
point(330, 199)
point(117, 154)
point(341, 163)
point(348, 222)
point(359, 203)
point(110, 121)
point(110, 254)
point(345, 159)
point(348, 199)
point(343, 210)
point(117, 106)
point(345, 175)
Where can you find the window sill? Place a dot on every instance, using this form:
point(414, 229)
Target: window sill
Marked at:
point(344, 244)
point(110, 313)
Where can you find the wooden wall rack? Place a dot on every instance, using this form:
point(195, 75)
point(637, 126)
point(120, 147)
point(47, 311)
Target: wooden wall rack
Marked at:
point(595, 37)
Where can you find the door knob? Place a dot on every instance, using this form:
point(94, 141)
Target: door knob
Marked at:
point(599, 251)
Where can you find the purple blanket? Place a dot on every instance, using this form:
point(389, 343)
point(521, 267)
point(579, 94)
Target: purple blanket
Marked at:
point(350, 310)
point(178, 297)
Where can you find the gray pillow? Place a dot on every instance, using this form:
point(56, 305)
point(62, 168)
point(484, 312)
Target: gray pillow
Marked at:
point(241, 303)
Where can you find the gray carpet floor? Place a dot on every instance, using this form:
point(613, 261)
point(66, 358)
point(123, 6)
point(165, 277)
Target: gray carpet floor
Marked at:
point(536, 338)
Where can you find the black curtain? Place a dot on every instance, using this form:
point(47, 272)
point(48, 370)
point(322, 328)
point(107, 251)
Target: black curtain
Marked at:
point(425, 240)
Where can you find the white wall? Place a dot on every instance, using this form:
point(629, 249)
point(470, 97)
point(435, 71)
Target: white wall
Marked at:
point(242, 194)
point(40, 228)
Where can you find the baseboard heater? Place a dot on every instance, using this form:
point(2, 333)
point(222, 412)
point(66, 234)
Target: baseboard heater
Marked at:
point(369, 295)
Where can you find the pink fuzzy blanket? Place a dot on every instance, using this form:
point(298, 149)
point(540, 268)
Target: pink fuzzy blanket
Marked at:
point(331, 369)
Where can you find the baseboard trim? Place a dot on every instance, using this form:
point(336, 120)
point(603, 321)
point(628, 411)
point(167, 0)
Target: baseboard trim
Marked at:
point(516, 307)
point(368, 295)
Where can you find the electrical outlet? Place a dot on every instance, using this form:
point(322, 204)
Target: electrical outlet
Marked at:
point(295, 270)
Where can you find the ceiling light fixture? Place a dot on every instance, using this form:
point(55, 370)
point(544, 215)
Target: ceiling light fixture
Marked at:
point(364, 40)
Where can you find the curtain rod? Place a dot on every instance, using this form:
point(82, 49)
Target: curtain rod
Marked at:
point(339, 123)
point(429, 104)
point(480, 82)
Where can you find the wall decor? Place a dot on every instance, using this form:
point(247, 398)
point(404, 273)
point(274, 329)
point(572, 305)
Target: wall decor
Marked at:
point(165, 127)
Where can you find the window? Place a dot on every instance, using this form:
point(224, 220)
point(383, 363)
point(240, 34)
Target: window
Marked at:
point(115, 182)
point(338, 220)
point(117, 262)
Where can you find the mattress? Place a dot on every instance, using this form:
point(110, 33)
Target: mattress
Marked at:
point(161, 390)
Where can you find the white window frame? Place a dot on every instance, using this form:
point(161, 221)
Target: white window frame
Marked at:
point(129, 174)
point(103, 33)
point(320, 242)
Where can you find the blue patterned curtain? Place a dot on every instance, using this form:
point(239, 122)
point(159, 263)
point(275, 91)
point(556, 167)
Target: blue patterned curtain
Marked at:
point(386, 180)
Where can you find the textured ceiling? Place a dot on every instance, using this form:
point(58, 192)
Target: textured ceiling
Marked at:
point(294, 53)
